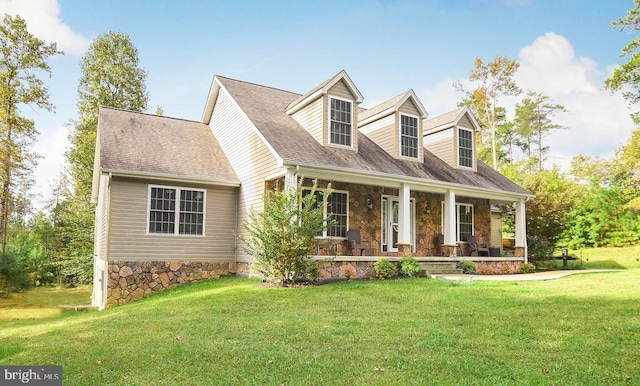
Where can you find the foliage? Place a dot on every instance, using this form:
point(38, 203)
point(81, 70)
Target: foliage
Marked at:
point(528, 268)
point(491, 81)
point(110, 77)
point(467, 266)
point(409, 267)
point(548, 213)
point(383, 268)
point(281, 236)
point(533, 122)
point(23, 57)
point(12, 274)
point(627, 76)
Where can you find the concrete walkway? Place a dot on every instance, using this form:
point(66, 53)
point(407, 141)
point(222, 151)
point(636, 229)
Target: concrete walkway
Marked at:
point(548, 275)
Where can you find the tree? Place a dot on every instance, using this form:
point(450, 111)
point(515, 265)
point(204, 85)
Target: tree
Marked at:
point(281, 236)
point(492, 80)
point(533, 122)
point(23, 56)
point(110, 77)
point(629, 73)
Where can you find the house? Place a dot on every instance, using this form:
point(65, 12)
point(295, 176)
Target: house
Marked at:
point(172, 194)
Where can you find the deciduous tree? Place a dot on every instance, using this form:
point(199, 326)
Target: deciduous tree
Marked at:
point(23, 57)
point(490, 82)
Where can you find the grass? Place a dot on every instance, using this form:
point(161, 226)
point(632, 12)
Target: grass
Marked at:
point(582, 329)
point(599, 258)
point(41, 302)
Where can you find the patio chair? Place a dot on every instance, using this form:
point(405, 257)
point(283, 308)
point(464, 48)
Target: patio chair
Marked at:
point(479, 249)
point(356, 242)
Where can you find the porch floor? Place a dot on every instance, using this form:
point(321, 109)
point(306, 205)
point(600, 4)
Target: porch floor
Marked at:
point(419, 258)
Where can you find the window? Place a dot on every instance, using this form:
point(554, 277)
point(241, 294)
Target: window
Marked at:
point(465, 147)
point(340, 122)
point(408, 136)
point(464, 221)
point(336, 207)
point(186, 217)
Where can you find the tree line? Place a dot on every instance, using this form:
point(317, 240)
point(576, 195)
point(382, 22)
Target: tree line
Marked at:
point(595, 203)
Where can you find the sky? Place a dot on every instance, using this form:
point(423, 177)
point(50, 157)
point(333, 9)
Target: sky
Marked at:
point(566, 49)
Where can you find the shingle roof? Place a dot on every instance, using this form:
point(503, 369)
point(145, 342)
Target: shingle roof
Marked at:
point(443, 120)
point(266, 106)
point(155, 145)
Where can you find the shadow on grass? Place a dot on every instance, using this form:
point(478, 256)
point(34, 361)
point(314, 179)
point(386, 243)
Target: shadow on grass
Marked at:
point(603, 264)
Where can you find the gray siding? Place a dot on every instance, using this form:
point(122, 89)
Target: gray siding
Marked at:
point(442, 145)
point(341, 90)
point(465, 122)
point(310, 117)
point(381, 132)
point(251, 159)
point(128, 233)
point(408, 107)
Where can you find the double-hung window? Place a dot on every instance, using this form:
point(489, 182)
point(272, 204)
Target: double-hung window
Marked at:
point(465, 147)
point(464, 221)
point(341, 122)
point(408, 136)
point(176, 211)
point(335, 207)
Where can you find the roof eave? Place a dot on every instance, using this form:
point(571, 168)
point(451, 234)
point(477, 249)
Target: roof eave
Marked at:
point(171, 177)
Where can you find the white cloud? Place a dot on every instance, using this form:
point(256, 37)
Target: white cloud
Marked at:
point(52, 148)
point(43, 21)
point(597, 121)
point(440, 98)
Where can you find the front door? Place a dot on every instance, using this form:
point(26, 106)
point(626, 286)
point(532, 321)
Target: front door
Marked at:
point(390, 220)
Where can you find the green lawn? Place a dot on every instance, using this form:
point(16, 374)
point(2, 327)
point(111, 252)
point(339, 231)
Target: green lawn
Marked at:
point(582, 329)
point(606, 258)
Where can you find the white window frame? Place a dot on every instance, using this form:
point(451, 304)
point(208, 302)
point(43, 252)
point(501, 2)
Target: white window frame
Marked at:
point(329, 120)
point(458, 205)
point(473, 147)
point(417, 138)
point(325, 212)
point(176, 227)
point(384, 234)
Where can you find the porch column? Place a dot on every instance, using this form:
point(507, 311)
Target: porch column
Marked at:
point(290, 179)
point(404, 220)
point(521, 227)
point(449, 230)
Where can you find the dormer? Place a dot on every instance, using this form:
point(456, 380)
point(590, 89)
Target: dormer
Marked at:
point(396, 125)
point(452, 137)
point(329, 112)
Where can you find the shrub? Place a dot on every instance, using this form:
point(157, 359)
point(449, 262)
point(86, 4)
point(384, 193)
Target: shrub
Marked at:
point(383, 268)
point(409, 267)
point(281, 237)
point(528, 268)
point(467, 266)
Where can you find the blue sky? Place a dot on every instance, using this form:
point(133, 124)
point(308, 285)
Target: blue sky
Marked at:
point(566, 49)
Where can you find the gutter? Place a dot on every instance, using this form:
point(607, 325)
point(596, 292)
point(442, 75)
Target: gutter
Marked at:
point(395, 180)
point(171, 177)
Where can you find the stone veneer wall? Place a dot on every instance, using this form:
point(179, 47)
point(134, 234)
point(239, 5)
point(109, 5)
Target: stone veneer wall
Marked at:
point(498, 267)
point(133, 280)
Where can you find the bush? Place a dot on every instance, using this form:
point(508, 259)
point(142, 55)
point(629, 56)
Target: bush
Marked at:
point(409, 267)
point(528, 268)
point(383, 268)
point(467, 266)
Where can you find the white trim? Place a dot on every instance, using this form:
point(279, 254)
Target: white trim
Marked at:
point(353, 126)
point(394, 181)
point(168, 177)
point(385, 228)
point(473, 148)
point(457, 218)
point(176, 227)
point(418, 139)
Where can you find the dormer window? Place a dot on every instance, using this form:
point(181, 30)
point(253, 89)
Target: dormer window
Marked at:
point(408, 136)
point(465, 147)
point(341, 122)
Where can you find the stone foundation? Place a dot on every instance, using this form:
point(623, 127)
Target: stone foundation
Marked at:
point(133, 280)
point(497, 267)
